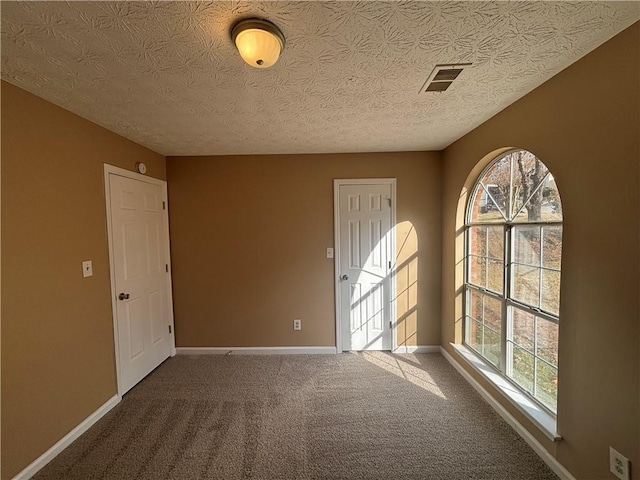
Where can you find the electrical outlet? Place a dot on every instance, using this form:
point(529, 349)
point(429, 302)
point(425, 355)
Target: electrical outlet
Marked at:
point(297, 324)
point(618, 464)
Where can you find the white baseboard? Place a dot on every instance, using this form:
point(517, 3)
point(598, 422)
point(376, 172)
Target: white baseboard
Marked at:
point(289, 350)
point(537, 447)
point(417, 349)
point(254, 350)
point(35, 466)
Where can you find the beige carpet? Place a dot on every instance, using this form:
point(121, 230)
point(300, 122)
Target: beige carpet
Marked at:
point(351, 416)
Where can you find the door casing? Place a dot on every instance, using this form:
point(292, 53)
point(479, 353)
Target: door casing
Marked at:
point(111, 170)
point(336, 258)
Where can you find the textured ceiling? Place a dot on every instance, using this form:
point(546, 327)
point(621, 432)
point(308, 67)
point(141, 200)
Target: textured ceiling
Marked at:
point(166, 74)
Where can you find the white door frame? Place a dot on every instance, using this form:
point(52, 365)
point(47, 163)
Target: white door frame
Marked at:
point(111, 170)
point(336, 257)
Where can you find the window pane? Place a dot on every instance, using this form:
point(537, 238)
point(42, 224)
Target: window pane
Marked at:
point(523, 368)
point(483, 326)
point(528, 174)
point(523, 328)
point(550, 291)
point(547, 341)
point(551, 210)
point(496, 242)
point(474, 334)
point(547, 384)
point(478, 241)
point(495, 277)
point(526, 245)
point(493, 313)
point(475, 305)
point(552, 246)
point(526, 284)
point(492, 346)
point(477, 271)
point(497, 182)
point(483, 208)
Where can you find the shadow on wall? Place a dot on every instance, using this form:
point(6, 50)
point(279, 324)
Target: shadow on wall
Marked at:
point(406, 278)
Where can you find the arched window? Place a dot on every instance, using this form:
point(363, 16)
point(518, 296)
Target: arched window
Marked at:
point(512, 273)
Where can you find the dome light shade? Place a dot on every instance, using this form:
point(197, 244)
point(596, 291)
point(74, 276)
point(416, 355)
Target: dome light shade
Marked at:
point(258, 41)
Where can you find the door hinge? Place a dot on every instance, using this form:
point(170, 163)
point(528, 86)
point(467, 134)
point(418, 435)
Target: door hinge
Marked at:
point(390, 325)
point(166, 267)
point(389, 264)
point(169, 328)
point(164, 205)
point(389, 202)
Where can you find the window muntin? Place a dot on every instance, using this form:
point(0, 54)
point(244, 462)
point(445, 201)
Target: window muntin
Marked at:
point(512, 283)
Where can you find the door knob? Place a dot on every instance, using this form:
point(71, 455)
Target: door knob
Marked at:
point(344, 277)
point(123, 296)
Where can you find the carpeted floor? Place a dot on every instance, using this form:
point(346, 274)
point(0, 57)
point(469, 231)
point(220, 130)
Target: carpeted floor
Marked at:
point(370, 415)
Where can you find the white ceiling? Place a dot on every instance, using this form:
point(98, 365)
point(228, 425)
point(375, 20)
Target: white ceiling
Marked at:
point(166, 74)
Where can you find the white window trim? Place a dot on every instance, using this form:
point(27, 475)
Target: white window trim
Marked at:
point(500, 376)
point(539, 416)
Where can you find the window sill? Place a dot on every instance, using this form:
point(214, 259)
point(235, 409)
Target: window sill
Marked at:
point(546, 422)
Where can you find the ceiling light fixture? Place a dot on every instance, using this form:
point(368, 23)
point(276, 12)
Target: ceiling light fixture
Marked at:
point(258, 41)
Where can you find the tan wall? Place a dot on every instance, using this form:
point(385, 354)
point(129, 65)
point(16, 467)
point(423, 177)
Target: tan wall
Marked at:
point(248, 242)
point(584, 124)
point(58, 363)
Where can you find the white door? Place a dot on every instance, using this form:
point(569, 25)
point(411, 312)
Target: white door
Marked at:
point(140, 266)
point(363, 266)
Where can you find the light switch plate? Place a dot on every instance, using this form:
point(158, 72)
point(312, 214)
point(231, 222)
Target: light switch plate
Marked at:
point(87, 268)
point(329, 252)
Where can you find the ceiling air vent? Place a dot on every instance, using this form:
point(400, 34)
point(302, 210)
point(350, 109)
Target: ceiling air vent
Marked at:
point(442, 77)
